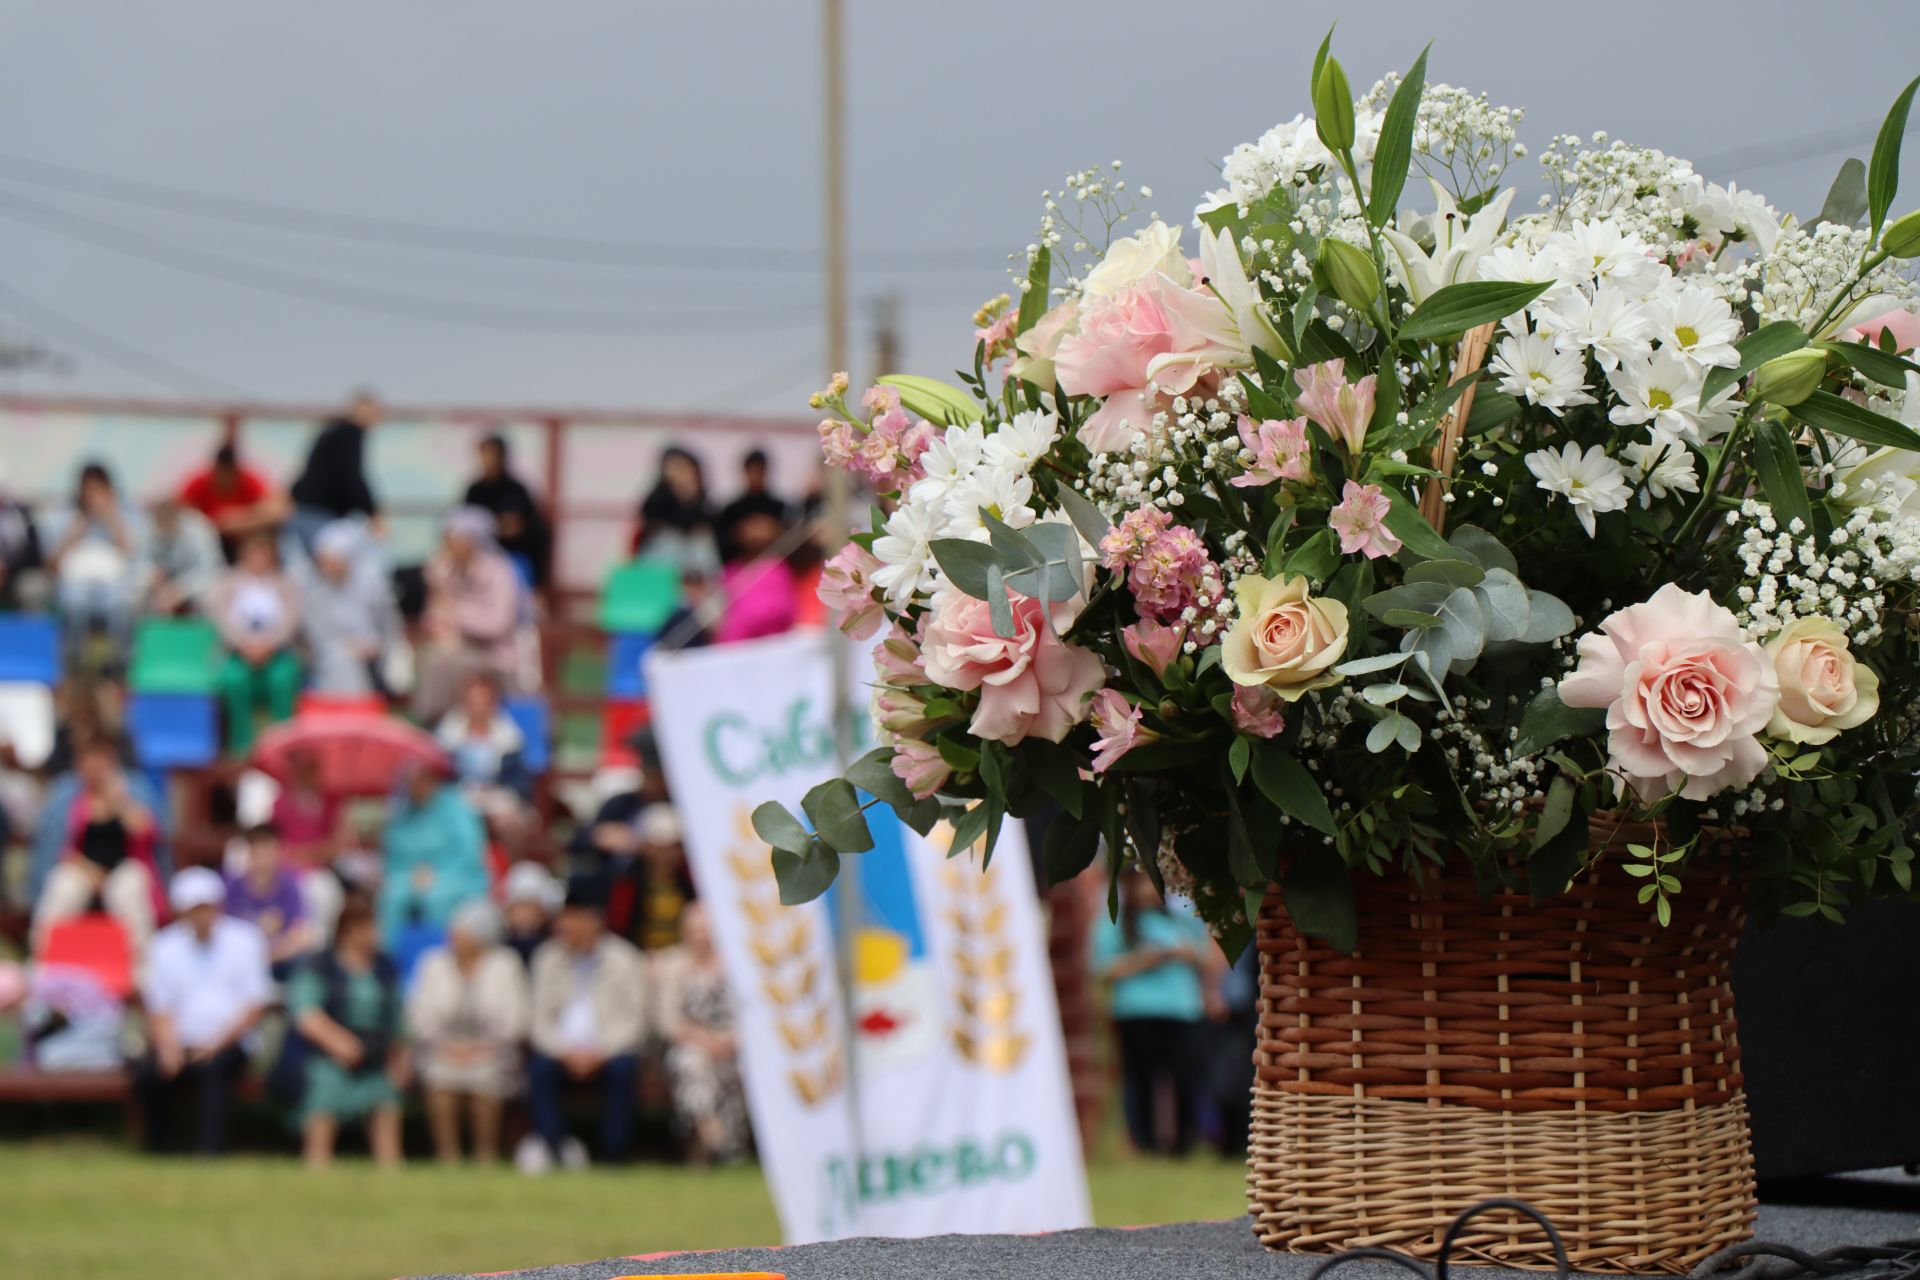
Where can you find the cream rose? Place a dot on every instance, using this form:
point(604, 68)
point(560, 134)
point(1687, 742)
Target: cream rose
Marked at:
point(1284, 638)
point(1132, 259)
point(1822, 689)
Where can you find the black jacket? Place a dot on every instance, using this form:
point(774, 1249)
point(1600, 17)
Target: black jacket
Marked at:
point(335, 478)
point(508, 496)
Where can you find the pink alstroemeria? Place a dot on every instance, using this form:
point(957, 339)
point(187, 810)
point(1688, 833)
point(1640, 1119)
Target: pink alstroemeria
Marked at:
point(846, 588)
point(1154, 644)
point(1361, 521)
point(1279, 448)
point(1258, 710)
point(921, 766)
point(1117, 721)
point(1341, 408)
point(896, 659)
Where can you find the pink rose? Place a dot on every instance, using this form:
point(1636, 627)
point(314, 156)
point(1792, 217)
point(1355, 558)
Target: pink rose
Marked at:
point(1361, 521)
point(1117, 722)
point(846, 588)
point(1136, 344)
point(1341, 408)
point(921, 766)
point(1258, 710)
point(1686, 695)
point(1279, 449)
point(1154, 645)
point(1033, 684)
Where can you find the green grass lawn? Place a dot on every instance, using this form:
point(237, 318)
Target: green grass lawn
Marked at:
point(78, 1212)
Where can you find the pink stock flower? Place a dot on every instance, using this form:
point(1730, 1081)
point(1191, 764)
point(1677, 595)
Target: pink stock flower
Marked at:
point(1174, 574)
point(1686, 695)
point(846, 588)
point(913, 446)
point(838, 444)
point(1125, 543)
point(1000, 332)
point(920, 766)
point(879, 399)
point(1033, 684)
point(1154, 645)
point(1361, 521)
point(1258, 710)
point(1341, 408)
point(1279, 448)
point(1117, 722)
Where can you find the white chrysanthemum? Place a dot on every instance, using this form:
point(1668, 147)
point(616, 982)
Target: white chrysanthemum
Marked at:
point(1661, 467)
point(1695, 324)
point(1591, 482)
point(1606, 321)
point(1662, 391)
point(1024, 441)
point(1531, 367)
point(1602, 252)
point(905, 553)
point(951, 458)
point(1004, 493)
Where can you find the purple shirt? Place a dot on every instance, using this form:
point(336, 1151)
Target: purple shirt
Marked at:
point(274, 911)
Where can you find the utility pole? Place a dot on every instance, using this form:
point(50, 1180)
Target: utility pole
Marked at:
point(886, 333)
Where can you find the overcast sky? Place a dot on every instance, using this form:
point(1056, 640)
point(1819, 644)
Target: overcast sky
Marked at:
point(689, 132)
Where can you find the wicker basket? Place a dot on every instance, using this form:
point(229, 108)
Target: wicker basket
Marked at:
point(1573, 1054)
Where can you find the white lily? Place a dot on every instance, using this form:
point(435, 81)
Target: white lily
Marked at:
point(1220, 261)
point(1458, 243)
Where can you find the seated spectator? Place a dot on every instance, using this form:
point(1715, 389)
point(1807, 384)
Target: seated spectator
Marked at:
point(19, 551)
point(435, 857)
point(87, 711)
point(206, 988)
point(72, 1020)
point(180, 561)
point(266, 894)
point(519, 524)
point(345, 1004)
point(348, 617)
point(108, 852)
point(531, 896)
point(489, 759)
point(677, 522)
point(477, 616)
point(333, 483)
point(632, 848)
point(467, 1018)
point(755, 499)
point(306, 816)
point(235, 499)
point(589, 1020)
point(703, 1054)
point(257, 612)
point(757, 584)
point(95, 559)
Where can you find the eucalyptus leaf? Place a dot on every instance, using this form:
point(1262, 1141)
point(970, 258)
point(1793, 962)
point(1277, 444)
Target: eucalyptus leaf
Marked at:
point(1508, 609)
point(1382, 695)
point(1425, 597)
point(965, 563)
point(1055, 572)
point(1366, 666)
point(805, 876)
point(1481, 547)
point(1465, 624)
point(1384, 734)
point(1454, 573)
point(1432, 653)
point(780, 829)
point(1085, 516)
point(834, 808)
point(1548, 618)
point(999, 610)
point(1410, 619)
point(873, 773)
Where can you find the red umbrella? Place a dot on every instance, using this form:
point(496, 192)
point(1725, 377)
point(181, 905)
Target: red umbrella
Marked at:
point(356, 753)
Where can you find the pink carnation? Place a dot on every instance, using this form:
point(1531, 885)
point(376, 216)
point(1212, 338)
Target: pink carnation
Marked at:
point(1279, 448)
point(1033, 684)
point(1258, 710)
point(1342, 409)
point(1117, 722)
point(1154, 645)
point(1361, 521)
point(1686, 695)
point(846, 588)
point(921, 766)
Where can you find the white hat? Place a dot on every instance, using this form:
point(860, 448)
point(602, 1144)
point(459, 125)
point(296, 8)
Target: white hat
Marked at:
point(531, 882)
point(196, 887)
point(659, 824)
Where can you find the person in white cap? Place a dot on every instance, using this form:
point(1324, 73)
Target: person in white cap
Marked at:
point(207, 985)
point(530, 897)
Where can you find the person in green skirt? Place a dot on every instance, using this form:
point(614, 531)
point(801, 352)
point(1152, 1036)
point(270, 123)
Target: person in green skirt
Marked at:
point(257, 613)
point(346, 1002)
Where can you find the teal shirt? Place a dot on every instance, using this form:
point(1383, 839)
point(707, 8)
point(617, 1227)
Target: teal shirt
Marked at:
point(1169, 990)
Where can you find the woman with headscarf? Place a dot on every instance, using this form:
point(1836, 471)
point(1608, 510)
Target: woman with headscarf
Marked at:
point(436, 858)
point(478, 617)
point(677, 520)
point(349, 620)
point(467, 1017)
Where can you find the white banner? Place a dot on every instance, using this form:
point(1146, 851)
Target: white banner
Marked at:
point(935, 1098)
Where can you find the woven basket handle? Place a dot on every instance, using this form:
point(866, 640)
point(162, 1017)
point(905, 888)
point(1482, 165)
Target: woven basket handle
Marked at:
point(1466, 364)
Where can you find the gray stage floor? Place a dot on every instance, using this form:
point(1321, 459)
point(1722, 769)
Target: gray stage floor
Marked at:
point(1181, 1252)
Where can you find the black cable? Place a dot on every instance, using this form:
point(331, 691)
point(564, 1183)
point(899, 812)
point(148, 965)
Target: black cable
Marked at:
point(121, 354)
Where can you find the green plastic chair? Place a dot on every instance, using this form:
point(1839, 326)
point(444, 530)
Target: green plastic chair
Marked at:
point(175, 655)
point(639, 597)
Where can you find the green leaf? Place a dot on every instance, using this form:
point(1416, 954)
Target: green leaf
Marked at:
point(1508, 605)
point(1454, 573)
point(1883, 171)
point(1241, 860)
point(1422, 597)
point(1394, 152)
point(1319, 896)
point(804, 877)
point(1763, 344)
point(1410, 619)
point(1054, 572)
point(958, 754)
point(968, 828)
point(1292, 790)
point(1055, 770)
point(1237, 755)
point(1842, 416)
point(1491, 409)
point(933, 399)
point(1548, 618)
point(1033, 303)
point(1262, 405)
point(1883, 367)
point(1455, 308)
point(1068, 848)
point(1547, 720)
point(1316, 558)
point(772, 823)
point(1554, 861)
point(1319, 61)
point(1481, 547)
point(873, 774)
point(966, 564)
point(834, 808)
point(1778, 464)
point(1847, 198)
point(1085, 516)
point(1415, 534)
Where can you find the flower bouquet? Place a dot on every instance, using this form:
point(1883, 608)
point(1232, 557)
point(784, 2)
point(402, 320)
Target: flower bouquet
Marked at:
point(1401, 572)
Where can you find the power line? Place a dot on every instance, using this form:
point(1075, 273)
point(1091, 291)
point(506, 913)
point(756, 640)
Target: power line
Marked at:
point(444, 238)
point(1809, 146)
point(668, 322)
point(121, 354)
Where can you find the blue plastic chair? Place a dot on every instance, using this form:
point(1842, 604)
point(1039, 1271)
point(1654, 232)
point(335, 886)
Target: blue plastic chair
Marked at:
point(626, 652)
point(29, 648)
point(174, 730)
point(536, 725)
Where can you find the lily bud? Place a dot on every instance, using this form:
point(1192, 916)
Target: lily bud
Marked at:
point(1351, 272)
point(1787, 380)
point(1901, 239)
point(1333, 107)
